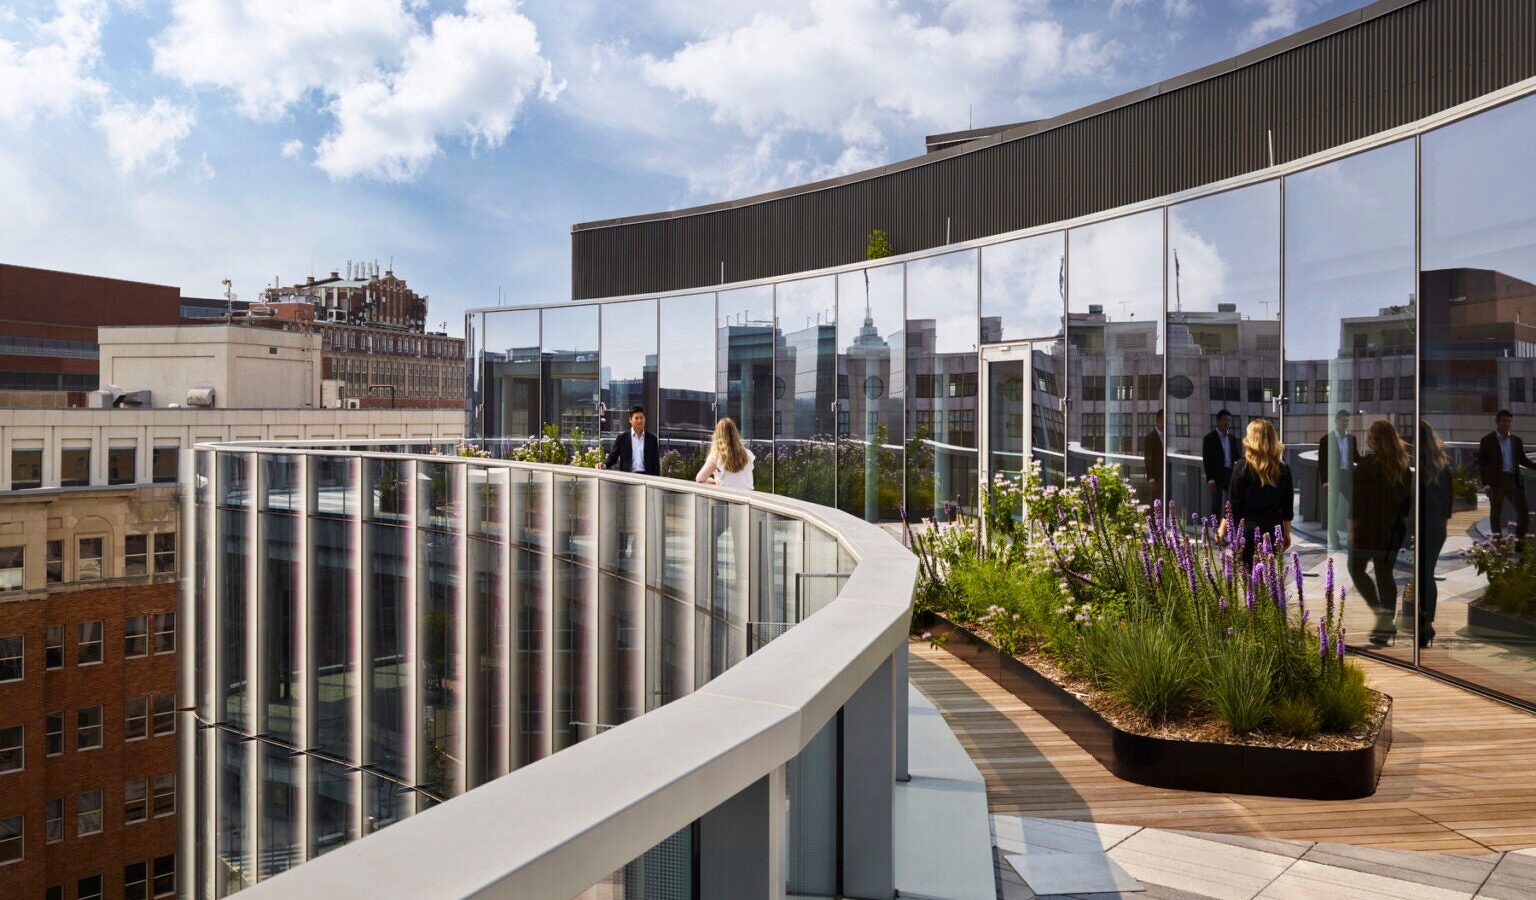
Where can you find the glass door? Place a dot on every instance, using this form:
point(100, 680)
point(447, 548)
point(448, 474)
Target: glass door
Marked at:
point(1005, 409)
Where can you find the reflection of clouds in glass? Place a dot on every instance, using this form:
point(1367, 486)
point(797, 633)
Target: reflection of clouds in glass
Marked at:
point(1119, 264)
point(1349, 245)
point(1228, 248)
point(570, 328)
point(513, 328)
point(1479, 197)
point(876, 294)
point(943, 288)
point(629, 336)
point(1021, 284)
point(809, 301)
point(688, 343)
point(747, 306)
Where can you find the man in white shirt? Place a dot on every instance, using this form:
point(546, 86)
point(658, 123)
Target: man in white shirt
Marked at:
point(635, 450)
point(1337, 455)
point(1500, 456)
point(1218, 453)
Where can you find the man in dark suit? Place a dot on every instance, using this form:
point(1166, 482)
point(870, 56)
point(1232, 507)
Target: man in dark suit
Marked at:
point(1152, 456)
point(1499, 458)
point(1337, 455)
point(635, 450)
point(1218, 453)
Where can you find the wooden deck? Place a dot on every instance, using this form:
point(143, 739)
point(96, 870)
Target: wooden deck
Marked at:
point(1461, 776)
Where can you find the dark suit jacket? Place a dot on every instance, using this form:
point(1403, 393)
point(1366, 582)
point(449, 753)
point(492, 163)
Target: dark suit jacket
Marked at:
point(621, 453)
point(1378, 511)
point(1490, 459)
point(1216, 468)
point(1152, 455)
point(1328, 459)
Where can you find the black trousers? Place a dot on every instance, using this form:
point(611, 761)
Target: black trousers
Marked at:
point(1509, 488)
point(1378, 592)
point(1219, 497)
point(1427, 555)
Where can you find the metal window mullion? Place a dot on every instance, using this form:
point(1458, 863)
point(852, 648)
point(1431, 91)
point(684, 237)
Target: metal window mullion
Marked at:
point(507, 608)
point(1162, 397)
point(547, 638)
point(254, 701)
point(1418, 407)
point(459, 669)
point(302, 659)
point(358, 637)
point(411, 668)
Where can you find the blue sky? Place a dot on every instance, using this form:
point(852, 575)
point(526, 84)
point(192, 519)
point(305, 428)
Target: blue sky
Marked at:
point(185, 141)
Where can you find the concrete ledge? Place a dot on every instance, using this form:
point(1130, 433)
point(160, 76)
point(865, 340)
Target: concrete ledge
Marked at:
point(943, 835)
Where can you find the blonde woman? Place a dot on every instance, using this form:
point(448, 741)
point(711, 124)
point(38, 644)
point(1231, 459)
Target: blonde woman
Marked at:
point(1261, 490)
point(1378, 524)
point(730, 462)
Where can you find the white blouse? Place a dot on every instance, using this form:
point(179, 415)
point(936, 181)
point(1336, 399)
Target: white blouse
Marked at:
point(740, 480)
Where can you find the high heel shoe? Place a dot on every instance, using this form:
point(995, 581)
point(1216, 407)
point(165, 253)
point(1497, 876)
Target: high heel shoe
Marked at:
point(1426, 636)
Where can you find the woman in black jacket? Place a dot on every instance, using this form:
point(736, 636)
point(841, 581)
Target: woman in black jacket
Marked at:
point(1378, 524)
point(1434, 514)
point(1261, 490)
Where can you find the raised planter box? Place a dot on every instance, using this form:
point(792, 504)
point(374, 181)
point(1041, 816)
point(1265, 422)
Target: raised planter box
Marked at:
point(1180, 764)
point(1485, 619)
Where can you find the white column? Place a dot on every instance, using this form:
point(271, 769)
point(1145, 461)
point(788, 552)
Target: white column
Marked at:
point(741, 844)
point(869, 785)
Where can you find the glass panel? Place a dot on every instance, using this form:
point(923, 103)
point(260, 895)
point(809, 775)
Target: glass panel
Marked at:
point(234, 538)
point(941, 337)
point(744, 372)
point(332, 805)
point(121, 465)
point(871, 385)
point(26, 469)
point(487, 494)
point(387, 490)
point(1115, 289)
point(569, 369)
point(1223, 324)
point(628, 363)
point(334, 486)
point(720, 636)
point(687, 389)
point(804, 389)
point(488, 625)
point(575, 609)
point(530, 511)
point(234, 479)
point(670, 576)
point(281, 642)
point(1022, 283)
point(330, 603)
point(1005, 417)
point(389, 671)
point(279, 812)
point(164, 463)
point(233, 843)
point(1349, 321)
point(74, 466)
point(812, 828)
point(384, 802)
point(621, 657)
point(509, 368)
point(441, 767)
point(1479, 289)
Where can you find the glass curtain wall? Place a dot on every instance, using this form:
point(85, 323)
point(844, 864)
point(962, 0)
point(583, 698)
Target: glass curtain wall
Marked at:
point(744, 382)
point(942, 336)
point(509, 374)
point(1114, 334)
point(1023, 297)
point(1223, 337)
point(804, 385)
point(687, 371)
point(628, 365)
point(1349, 365)
point(871, 392)
point(568, 371)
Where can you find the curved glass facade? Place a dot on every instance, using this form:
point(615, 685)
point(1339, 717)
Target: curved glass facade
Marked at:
point(1396, 284)
point(376, 634)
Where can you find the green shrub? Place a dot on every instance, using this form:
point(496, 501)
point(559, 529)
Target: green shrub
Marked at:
point(1147, 665)
point(879, 245)
point(1343, 700)
point(982, 583)
point(1294, 717)
point(1237, 683)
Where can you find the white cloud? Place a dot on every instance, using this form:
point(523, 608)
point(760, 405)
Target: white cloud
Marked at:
point(469, 77)
point(293, 149)
point(1277, 17)
point(142, 140)
point(272, 53)
point(53, 76)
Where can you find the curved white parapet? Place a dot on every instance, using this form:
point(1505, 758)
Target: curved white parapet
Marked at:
point(554, 826)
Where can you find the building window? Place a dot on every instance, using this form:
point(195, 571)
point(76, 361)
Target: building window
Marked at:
point(1181, 424)
point(1345, 394)
point(164, 708)
point(135, 718)
point(135, 801)
point(135, 555)
point(1405, 387)
point(88, 813)
point(165, 875)
point(88, 561)
point(26, 469)
point(1367, 391)
point(165, 553)
point(135, 881)
point(88, 728)
point(1093, 387)
point(165, 632)
point(88, 888)
point(135, 637)
point(12, 568)
point(1384, 391)
point(12, 748)
point(122, 463)
point(54, 892)
point(74, 466)
point(53, 648)
point(165, 794)
point(55, 567)
point(1300, 390)
point(53, 734)
point(88, 645)
point(12, 657)
point(10, 839)
point(1516, 390)
point(53, 820)
point(163, 462)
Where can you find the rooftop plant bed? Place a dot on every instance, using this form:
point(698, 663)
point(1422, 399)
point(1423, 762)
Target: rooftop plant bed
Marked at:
point(1508, 604)
point(1146, 640)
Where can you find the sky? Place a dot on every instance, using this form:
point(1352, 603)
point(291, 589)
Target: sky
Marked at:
point(187, 141)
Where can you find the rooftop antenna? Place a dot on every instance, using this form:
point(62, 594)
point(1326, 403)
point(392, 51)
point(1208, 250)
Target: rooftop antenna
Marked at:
point(349, 270)
point(1178, 298)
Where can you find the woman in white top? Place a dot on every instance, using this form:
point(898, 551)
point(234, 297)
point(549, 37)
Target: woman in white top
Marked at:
point(730, 462)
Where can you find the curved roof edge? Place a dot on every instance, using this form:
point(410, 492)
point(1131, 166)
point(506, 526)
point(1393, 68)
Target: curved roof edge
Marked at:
point(958, 143)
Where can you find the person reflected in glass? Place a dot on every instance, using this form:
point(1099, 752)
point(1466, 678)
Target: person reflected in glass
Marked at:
point(1500, 456)
point(1218, 453)
point(1337, 455)
point(635, 450)
point(729, 463)
point(1435, 512)
point(1152, 457)
point(1261, 489)
point(1378, 525)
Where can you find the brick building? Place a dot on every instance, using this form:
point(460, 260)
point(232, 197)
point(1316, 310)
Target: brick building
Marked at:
point(364, 297)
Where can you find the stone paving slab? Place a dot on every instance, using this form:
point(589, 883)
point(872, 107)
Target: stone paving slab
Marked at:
point(1055, 874)
point(1454, 873)
point(1220, 871)
point(1513, 877)
point(1293, 849)
point(1025, 834)
point(1306, 880)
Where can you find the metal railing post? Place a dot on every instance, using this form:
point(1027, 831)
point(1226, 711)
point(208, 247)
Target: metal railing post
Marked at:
point(900, 714)
point(869, 787)
point(741, 844)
